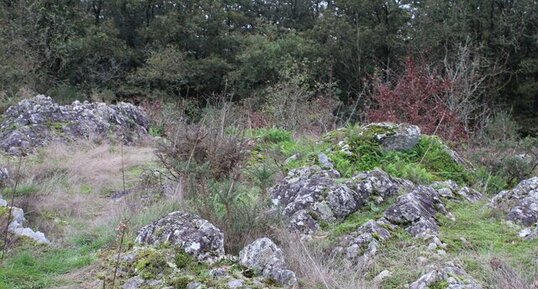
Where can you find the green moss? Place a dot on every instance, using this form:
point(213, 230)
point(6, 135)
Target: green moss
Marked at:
point(180, 282)
point(443, 284)
point(150, 263)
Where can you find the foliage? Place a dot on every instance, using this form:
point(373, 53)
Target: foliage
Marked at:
point(418, 97)
point(428, 161)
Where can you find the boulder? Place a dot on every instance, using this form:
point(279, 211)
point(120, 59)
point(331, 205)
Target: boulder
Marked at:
point(35, 122)
point(194, 235)
point(520, 203)
point(453, 277)
point(394, 136)
point(310, 194)
point(361, 245)
point(416, 211)
point(266, 259)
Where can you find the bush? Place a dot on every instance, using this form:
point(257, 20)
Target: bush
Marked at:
point(417, 97)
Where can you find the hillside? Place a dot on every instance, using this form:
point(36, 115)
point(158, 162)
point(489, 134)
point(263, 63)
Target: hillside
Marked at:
point(122, 198)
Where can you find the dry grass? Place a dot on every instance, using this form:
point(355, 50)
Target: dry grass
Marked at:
point(66, 185)
point(316, 269)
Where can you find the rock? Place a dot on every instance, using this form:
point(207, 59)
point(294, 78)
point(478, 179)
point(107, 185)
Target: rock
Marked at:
point(196, 236)
point(325, 162)
point(235, 284)
point(4, 177)
point(133, 283)
point(194, 285)
point(394, 136)
point(521, 203)
point(454, 277)
point(361, 245)
point(16, 225)
point(382, 275)
point(35, 122)
point(311, 194)
point(266, 259)
point(416, 210)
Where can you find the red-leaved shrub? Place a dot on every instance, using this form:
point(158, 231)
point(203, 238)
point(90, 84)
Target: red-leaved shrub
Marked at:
point(417, 97)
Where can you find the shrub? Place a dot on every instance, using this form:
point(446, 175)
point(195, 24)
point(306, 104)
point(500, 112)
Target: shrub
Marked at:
point(417, 97)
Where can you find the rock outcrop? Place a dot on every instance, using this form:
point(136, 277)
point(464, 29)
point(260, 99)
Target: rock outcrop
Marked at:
point(394, 136)
point(35, 122)
point(309, 195)
point(449, 276)
point(16, 224)
point(188, 232)
point(266, 259)
point(521, 206)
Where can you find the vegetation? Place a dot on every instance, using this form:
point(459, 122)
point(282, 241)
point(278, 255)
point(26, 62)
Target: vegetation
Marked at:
point(308, 55)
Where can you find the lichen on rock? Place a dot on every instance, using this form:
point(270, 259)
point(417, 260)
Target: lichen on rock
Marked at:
point(192, 234)
point(35, 122)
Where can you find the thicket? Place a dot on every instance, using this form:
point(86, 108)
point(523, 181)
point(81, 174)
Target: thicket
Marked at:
point(266, 54)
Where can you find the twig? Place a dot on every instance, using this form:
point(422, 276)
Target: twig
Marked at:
point(122, 228)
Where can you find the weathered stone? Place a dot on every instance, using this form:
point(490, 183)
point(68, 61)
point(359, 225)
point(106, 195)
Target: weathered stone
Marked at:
point(521, 202)
point(133, 283)
point(324, 161)
point(4, 177)
point(394, 136)
point(16, 225)
point(266, 259)
point(361, 245)
point(416, 210)
point(38, 121)
point(454, 276)
point(311, 194)
point(189, 232)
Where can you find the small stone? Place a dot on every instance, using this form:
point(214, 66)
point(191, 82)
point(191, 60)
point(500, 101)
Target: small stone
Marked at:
point(382, 275)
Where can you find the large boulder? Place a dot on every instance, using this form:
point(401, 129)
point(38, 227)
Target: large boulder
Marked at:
point(450, 275)
point(520, 203)
point(37, 121)
point(310, 194)
point(393, 136)
point(194, 235)
point(266, 259)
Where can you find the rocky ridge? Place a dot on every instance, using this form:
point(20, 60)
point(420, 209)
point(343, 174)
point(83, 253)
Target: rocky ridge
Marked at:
point(38, 121)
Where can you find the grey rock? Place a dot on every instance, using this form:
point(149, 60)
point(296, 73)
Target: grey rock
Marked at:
point(395, 136)
point(133, 283)
point(361, 245)
point(4, 177)
point(454, 275)
point(16, 226)
point(311, 194)
point(416, 211)
point(324, 161)
point(194, 285)
point(521, 203)
point(233, 284)
point(266, 259)
point(38, 121)
point(194, 235)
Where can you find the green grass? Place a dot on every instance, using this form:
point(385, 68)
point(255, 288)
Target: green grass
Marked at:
point(32, 267)
point(481, 230)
